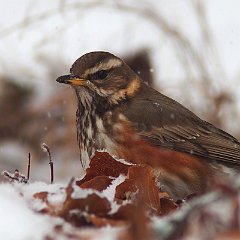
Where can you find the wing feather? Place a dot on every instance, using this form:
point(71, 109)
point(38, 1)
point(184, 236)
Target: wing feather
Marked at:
point(166, 123)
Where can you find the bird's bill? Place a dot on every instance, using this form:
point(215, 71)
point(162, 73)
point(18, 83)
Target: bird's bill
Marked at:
point(72, 80)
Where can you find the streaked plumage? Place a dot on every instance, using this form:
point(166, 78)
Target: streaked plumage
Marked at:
point(110, 94)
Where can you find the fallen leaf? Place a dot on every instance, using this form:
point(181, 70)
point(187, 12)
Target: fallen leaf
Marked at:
point(98, 183)
point(142, 182)
point(103, 164)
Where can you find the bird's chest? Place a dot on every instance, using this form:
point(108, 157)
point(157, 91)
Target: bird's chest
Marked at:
point(104, 138)
point(95, 133)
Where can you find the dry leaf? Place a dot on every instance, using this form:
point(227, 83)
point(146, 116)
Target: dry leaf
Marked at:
point(98, 183)
point(102, 164)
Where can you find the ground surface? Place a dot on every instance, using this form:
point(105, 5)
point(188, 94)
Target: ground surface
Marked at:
point(115, 200)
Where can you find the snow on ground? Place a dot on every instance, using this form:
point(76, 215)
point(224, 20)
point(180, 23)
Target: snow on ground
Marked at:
point(208, 216)
point(18, 220)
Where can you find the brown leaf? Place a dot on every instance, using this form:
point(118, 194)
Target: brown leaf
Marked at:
point(124, 212)
point(102, 164)
point(141, 179)
point(101, 221)
point(136, 216)
point(126, 190)
point(91, 204)
point(98, 183)
point(49, 209)
point(41, 195)
point(166, 206)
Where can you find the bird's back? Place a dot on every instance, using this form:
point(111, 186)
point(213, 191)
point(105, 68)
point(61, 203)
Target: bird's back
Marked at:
point(165, 123)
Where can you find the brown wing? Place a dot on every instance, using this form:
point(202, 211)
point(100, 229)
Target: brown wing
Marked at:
point(166, 123)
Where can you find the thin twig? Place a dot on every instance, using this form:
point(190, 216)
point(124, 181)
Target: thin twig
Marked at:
point(45, 148)
point(29, 162)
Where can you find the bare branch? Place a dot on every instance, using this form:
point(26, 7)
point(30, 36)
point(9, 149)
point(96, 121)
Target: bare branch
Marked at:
point(45, 148)
point(29, 160)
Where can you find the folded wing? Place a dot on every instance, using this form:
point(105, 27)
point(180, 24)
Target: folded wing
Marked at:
point(165, 123)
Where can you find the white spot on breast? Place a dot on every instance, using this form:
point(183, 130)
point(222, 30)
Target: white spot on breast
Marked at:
point(90, 132)
point(103, 141)
point(85, 158)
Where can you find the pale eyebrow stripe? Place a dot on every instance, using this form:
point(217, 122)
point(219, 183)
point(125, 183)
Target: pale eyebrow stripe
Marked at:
point(111, 63)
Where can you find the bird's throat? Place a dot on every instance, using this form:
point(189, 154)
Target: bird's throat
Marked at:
point(92, 133)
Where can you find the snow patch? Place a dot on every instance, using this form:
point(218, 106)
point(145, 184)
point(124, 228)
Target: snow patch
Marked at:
point(17, 220)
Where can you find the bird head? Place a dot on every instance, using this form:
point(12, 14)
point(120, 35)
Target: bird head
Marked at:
point(104, 76)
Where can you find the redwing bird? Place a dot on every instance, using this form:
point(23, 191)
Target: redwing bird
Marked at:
point(114, 104)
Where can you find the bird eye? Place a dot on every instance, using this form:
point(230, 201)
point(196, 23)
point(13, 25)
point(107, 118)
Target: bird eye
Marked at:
point(101, 74)
point(98, 75)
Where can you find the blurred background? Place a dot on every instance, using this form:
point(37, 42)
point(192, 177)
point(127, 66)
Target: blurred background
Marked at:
point(188, 50)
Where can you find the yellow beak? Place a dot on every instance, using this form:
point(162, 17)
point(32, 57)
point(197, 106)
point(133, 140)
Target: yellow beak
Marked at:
point(72, 80)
